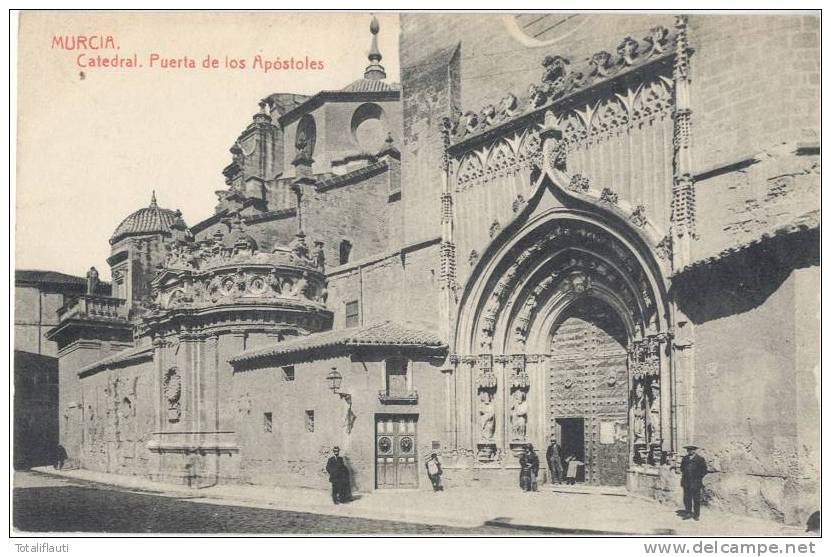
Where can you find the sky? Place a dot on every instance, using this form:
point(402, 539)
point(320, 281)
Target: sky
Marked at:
point(91, 148)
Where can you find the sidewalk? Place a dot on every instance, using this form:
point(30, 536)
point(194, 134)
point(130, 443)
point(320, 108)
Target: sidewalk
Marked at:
point(543, 512)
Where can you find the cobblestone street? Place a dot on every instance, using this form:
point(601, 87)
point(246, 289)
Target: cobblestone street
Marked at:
point(48, 504)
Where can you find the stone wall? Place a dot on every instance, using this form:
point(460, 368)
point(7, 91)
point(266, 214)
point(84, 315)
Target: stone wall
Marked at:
point(399, 287)
point(35, 312)
point(764, 446)
point(118, 410)
point(755, 107)
point(293, 453)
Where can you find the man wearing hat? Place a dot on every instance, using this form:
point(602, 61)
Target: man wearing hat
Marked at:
point(693, 469)
point(338, 477)
point(554, 458)
point(434, 471)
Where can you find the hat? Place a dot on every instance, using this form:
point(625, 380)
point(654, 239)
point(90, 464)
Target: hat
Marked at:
point(691, 447)
point(335, 448)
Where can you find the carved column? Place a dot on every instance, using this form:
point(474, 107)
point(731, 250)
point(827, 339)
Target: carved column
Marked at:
point(449, 371)
point(683, 188)
point(466, 413)
point(447, 249)
point(535, 370)
point(158, 363)
point(645, 404)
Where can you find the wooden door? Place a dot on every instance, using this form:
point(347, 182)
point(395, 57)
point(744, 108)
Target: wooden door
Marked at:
point(396, 461)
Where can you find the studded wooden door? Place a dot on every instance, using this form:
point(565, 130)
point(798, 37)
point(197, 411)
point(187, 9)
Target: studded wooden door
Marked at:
point(588, 380)
point(396, 461)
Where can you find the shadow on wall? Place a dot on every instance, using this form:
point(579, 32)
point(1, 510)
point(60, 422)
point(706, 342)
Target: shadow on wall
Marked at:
point(744, 280)
point(36, 420)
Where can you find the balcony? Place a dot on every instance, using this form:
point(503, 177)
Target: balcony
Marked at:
point(398, 397)
point(90, 307)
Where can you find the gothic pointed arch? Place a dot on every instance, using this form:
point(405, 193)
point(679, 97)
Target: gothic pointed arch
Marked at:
point(563, 252)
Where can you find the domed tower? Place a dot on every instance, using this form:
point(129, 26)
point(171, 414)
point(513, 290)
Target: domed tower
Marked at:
point(138, 249)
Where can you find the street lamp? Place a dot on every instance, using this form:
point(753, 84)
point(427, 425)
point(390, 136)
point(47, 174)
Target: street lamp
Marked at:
point(334, 378)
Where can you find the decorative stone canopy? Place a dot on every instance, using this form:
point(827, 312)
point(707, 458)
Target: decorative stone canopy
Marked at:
point(150, 220)
point(563, 79)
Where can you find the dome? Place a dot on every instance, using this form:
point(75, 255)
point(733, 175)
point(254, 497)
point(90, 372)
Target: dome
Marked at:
point(149, 220)
point(365, 85)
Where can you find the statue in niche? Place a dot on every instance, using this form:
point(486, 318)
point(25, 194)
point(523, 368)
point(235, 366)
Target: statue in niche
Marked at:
point(519, 414)
point(639, 409)
point(487, 415)
point(654, 427)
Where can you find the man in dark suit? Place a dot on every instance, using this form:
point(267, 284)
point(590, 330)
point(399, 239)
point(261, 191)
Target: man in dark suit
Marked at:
point(554, 458)
point(338, 477)
point(693, 469)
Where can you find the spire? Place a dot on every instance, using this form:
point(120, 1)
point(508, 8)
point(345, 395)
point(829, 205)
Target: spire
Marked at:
point(374, 70)
point(153, 200)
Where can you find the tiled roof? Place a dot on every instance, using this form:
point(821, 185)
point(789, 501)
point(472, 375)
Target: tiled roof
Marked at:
point(140, 352)
point(386, 333)
point(364, 85)
point(807, 221)
point(47, 277)
point(149, 220)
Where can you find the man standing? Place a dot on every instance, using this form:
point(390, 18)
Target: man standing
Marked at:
point(693, 469)
point(554, 458)
point(529, 467)
point(338, 477)
point(434, 471)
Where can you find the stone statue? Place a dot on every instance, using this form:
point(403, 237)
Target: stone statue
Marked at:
point(639, 415)
point(519, 414)
point(92, 280)
point(487, 416)
point(655, 412)
point(318, 255)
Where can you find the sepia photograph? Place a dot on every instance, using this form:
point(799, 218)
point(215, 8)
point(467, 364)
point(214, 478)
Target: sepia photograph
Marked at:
point(410, 273)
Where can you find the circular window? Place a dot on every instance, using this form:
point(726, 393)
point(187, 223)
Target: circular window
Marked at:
point(369, 128)
point(543, 29)
point(406, 445)
point(384, 445)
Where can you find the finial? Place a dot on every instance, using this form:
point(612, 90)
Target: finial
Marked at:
point(153, 200)
point(375, 70)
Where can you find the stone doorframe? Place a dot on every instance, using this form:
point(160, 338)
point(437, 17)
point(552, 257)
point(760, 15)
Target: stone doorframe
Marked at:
point(532, 272)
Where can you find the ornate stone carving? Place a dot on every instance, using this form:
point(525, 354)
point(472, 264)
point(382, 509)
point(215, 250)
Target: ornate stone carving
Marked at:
point(657, 42)
point(664, 248)
point(578, 183)
point(518, 203)
point(172, 388)
point(494, 228)
point(609, 196)
point(561, 78)
point(473, 258)
point(638, 216)
point(628, 51)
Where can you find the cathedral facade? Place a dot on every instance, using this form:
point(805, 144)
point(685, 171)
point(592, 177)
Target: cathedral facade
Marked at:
point(602, 229)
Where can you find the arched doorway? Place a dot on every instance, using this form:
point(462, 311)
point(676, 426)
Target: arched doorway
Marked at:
point(563, 330)
point(586, 389)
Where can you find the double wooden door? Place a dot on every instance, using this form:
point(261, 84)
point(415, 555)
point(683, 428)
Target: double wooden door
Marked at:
point(396, 460)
